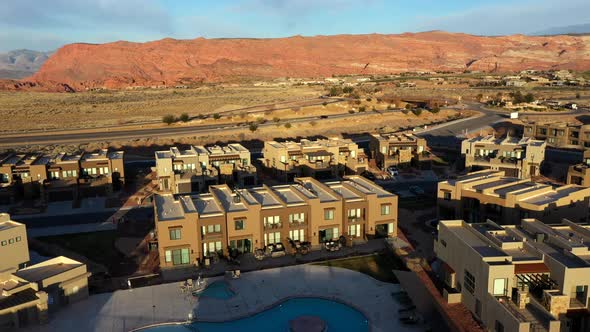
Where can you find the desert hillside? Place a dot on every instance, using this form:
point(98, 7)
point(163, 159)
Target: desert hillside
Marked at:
point(170, 61)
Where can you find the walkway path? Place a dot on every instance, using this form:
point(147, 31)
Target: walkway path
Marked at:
point(124, 310)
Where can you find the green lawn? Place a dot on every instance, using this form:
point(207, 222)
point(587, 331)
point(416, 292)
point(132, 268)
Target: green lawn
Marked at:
point(378, 266)
point(96, 246)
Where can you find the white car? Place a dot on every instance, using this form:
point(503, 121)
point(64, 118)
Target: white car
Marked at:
point(393, 171)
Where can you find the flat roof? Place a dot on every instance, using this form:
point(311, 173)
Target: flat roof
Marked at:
point(485, 249)
point(551, 196)
point(366, 186)
point(206, 205)
point(346, 193)
point(495, 183)
point(5, 225)
point(287, 194)
point(319, 191)
point(228, 199)
point(264, 197)
point(48, 269)
point(168, 208)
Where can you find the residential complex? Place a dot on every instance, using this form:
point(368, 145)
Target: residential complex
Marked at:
point(580, 173)
point(530, 277)
point(559, 134)
point(517, 157)
point(193, 227)
point(488, 194)
point(27, 294)
point(60, 177)
point(198, 167)
point(320, 159)
point(397, 149)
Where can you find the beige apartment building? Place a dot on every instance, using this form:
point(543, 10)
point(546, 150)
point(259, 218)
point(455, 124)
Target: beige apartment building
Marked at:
point(488, 194)
point(60, 177)
point(559, 134)
point(530, 277)
point(195, 169)
point(27, 294)
point(191, 228)
point(580, 173)
point(397, 149)
point(320, 159)
point(516, 157)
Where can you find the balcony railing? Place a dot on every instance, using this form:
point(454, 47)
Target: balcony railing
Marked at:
point(355, 219)
point(297, 223)
point(273, 225)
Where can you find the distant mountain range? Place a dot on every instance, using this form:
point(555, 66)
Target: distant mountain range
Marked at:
point(118, 65)
point(579, 29)
point(21, 63)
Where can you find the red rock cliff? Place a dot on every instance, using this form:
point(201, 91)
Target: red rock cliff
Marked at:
point(169, 61)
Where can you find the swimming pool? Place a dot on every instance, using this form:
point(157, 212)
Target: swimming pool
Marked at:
point(338, 317)
point(217, 290)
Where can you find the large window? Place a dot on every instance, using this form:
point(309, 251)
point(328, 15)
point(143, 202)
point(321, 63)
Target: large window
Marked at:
point(297, 217)
point(297, 235)
point(354, 213)
point(328, 214)
point(175, 233)
point(211, 229)
point(500, 287)
point(354, 230)
point(239, 224)
point(469, 282)
point(178, 256)
point(385, 209)
point(272, 238)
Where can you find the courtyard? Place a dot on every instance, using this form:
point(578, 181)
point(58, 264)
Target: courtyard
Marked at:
point(256, 291)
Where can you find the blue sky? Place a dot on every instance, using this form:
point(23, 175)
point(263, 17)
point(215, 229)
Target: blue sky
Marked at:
point(48, 24)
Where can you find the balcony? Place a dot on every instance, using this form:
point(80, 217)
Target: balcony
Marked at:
point(353, 220)
point(273, 225)
point(298, 223)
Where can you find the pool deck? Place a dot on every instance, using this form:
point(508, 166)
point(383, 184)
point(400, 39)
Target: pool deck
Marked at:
point(130, 309)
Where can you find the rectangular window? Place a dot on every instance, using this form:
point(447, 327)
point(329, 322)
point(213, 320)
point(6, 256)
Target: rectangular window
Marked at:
point(385, 209)
point(469, 282)
point(390, 228)
point(447, 196)
point(354, 230)
point(297, 217)
point(18, 238)
point(168, 256)
point(4, 243)
point(239, 224)
point(185, 255)
point(10, 241)
point(297, 235)
point(500, 287)
point(328, 214)
point(175, 233)
point(354, 213)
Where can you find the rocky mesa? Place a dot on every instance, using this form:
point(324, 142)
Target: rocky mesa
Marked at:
point(171, 62)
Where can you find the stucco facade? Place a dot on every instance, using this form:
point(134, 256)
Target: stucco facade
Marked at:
point(192, 228)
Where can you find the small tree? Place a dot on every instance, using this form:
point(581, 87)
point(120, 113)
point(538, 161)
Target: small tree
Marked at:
point(276, 119)
point(405, 111)
point(243, 114)
point(253, 127)
point(325, 104)
point(216, 116)
point(313, 123)
point(168, 119)
point(417, 111)
point(435, 110)
point(529, 98)
point(351, 111)
point(408, 106)
point(335, 91)
point(260, 120)
point(184, 117)
point(287, 125)
point(369, 99)
point(362, 109)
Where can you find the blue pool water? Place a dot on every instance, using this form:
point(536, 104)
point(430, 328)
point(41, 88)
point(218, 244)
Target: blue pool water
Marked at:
point(339, 317)
point(217, 290)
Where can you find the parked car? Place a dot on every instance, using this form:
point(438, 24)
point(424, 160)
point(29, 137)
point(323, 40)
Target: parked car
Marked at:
point(393, 171)
point(416, 190)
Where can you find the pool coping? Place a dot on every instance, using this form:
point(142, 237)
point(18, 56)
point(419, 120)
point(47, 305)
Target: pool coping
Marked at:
point(268, 307)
